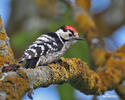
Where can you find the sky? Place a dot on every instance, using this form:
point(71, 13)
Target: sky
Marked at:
point(50, 93)
point(5, 10)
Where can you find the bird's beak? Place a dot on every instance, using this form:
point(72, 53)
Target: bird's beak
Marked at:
point(79, 38)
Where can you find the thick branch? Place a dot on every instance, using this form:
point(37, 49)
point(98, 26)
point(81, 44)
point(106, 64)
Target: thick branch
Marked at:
point(6, 54)
point(74, 71)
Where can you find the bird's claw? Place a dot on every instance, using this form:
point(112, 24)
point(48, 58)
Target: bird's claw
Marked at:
point(30, 92)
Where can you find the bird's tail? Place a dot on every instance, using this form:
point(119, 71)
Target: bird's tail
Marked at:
point(31, 63)
point(20, 60)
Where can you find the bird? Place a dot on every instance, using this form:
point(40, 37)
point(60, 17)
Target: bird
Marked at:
point(50, 47)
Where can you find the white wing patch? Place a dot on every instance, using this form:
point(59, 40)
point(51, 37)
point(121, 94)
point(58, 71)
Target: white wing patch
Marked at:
point(43, 38)
point(54, 43)
point(50, 38)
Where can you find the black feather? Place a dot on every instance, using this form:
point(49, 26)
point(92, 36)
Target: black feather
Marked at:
point(31, 63)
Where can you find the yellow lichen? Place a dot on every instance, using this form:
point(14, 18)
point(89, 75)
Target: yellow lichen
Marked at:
point(29, 69)
point(3, 36)
point(57, 72)
point(15, 87)
point(22, 73)
point(39, 81)
point(2, 46)
point(0, 21)
point(10, 52)
point(102, 57)
point(3, 60)
point(38, 67)
point(85, 4)
point(87, 26)
point(39, 2)
point(120, 53)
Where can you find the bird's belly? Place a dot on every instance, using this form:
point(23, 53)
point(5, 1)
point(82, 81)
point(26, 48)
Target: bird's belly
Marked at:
point(50, 58)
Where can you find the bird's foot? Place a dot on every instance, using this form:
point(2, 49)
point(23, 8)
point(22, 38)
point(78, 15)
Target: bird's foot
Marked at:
point(30, 92)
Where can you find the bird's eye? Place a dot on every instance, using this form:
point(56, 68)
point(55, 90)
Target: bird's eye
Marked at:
point(71, 31)
point(70, 35)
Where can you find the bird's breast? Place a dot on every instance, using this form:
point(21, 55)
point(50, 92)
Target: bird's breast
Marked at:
point(52, 57)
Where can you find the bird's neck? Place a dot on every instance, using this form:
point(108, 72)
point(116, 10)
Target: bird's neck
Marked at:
point(69, 43)
point(61, 39)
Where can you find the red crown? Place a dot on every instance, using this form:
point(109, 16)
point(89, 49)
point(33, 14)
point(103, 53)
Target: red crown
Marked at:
point(70, 28)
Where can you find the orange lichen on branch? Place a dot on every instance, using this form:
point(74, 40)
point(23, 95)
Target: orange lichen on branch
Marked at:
point(83, 78)
point(112, 73)
point(1, 22)
point(3, 60)
point(41, 2)
point(15, 86)
point(1, 26)
point(2, 31)
point(11, 53)
point(44, 2)
point(85, 4)
point(3, 36)
point(57, 72)
point(6, 58)
point(100, 57)
point(87, 26)
point(120, 53)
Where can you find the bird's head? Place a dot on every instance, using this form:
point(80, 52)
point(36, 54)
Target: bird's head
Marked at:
point(68, 33)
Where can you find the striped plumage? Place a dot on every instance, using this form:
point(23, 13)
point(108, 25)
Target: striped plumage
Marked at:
point(49, 47)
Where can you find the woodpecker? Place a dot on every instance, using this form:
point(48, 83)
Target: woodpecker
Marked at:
point(50, 47)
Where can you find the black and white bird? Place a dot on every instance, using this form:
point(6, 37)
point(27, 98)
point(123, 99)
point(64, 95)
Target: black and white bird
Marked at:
point(50, 47)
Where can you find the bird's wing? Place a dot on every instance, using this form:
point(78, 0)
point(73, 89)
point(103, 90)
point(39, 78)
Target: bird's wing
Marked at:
point(42, 46)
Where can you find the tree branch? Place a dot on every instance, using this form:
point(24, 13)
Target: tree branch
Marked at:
point(100, 57)
point(6, 54)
